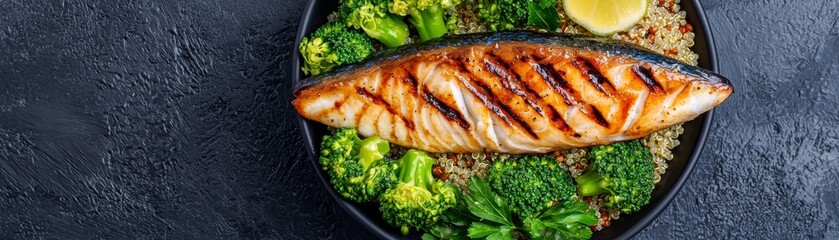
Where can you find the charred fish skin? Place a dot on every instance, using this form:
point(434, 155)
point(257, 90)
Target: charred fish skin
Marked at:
point(608, 46)
point(516, 92)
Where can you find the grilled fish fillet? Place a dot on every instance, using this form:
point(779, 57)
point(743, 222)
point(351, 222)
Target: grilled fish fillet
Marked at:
point(514, 92)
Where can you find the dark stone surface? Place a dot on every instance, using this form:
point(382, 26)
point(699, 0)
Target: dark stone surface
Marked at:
point(170, 119)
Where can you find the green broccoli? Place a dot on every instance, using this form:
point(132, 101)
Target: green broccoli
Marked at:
point(501, 15)
point(418, 200)
point(373, 18)
point(332, 45)
point(531, 184)
point(358, 168)
point(624, 170)
point(427, 16)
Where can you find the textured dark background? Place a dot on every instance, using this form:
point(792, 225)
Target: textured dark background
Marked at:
point(170, 119)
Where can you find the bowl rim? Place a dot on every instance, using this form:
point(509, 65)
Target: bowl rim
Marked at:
point(380, 232)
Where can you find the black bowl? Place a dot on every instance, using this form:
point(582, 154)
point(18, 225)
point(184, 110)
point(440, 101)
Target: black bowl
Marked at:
point(685, 155)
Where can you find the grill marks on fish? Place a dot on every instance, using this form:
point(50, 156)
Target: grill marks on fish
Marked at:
point(376, 99)
point(512, 96)
point(523, 84)
point(557, 81)
point(488, 102)
point(412, 88)
point(599, 117)
point(594, 76)
point(409, 79)
point(450, 112)
point(646, 75)
point(481, 89)
point(511, 83)
point(510, 80)
point(533, 96)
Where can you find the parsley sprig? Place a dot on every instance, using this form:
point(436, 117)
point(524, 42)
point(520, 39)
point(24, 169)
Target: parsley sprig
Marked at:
point(483, 214)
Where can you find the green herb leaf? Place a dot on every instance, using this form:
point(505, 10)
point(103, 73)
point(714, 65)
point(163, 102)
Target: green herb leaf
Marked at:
point(479, 230)
point(485, 204)
point(442, 231)
point(544, 17)
point(429, 236)
point(491, 219)
point(504, 233)
point(453, 223)
point(546, 3)
point(459, 215)
point(582, 218)
point(572, 232)
point(569, 221)
point(534, 226)
point(577, 212)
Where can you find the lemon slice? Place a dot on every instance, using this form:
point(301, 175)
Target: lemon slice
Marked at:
point(605, 17)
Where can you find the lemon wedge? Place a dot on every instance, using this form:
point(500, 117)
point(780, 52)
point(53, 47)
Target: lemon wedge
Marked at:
point(605, 17)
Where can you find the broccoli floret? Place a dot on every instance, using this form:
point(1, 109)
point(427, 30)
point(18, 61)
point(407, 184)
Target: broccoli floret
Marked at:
point(332, 45)
point(358, 168)
point(501, 15)
point(427, 16)
point(531, 184)
point(624, 171)
point(418, 200)
point(372, 17)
